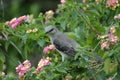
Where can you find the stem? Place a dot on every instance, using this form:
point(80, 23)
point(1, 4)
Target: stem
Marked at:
point(12, 43)
point(96, 46)
point(114, 76)
point(16, 47)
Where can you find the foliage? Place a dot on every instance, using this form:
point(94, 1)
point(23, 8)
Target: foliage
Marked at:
point(85, 23)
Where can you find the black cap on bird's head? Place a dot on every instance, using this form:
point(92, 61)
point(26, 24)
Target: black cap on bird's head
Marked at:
point(51, 30)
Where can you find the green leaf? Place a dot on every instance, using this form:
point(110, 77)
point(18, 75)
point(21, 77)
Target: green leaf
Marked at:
point(76, 56)
point(6, 45)
point(61, 68)
point(2, 57)
point(51, 76)
point(71, 35)
point(107, 65)
point(2, 60)
point(105, 55)
point(93, 12)
point(117, 77)
point(41, 43)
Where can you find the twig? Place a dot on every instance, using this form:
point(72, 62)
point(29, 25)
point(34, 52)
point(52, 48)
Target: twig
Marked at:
point(12, 43)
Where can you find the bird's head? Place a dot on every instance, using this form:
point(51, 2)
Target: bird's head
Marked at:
point(51, 30)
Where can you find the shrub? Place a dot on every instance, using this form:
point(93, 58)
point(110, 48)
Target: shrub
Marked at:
point(93, 24)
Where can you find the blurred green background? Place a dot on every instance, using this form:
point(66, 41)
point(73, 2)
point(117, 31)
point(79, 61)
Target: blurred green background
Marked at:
point(15, 8)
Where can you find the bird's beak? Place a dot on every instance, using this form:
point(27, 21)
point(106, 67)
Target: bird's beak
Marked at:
point(46, 32)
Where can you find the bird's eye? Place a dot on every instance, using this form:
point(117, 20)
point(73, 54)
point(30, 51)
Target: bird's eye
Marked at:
point(51, 30)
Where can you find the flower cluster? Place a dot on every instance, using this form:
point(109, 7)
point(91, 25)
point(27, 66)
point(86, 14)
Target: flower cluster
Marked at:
point(117, 16)
point(43, 62)
point(112, 4)
point(16, 21)
point(97, 1)
point(63, 2)
point(47, 49)
point(48, 16)
point(84, 1)
point(30, 19)
point(23, 68)
point(32, 30)
point(109, 38)
point(105, 45)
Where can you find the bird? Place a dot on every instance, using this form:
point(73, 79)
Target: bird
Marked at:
point(65, 45)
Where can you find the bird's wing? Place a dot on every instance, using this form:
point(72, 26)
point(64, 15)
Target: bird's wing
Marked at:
point(64, 47)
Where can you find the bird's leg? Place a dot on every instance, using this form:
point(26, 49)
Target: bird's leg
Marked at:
point(63, 58)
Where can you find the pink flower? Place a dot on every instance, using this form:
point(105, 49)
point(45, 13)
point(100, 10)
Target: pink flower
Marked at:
point(105, 45)
point(22, 18)
point(112, 4)
point(18, 69)
point(17, 21)
point(117, 16)
point(46, 50)
point(21, 74)
point(114, 39)
point(51, 47)
point(23, 68)
point(27, 65)
point(109, 38)
point(112, 30)
point(63, 2)
point(84, 1)
point(13, 23)
point(97, 1)
point(43, 62)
